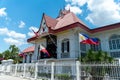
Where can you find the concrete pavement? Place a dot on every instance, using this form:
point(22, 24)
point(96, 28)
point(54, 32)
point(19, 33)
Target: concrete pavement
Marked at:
point(7, 77)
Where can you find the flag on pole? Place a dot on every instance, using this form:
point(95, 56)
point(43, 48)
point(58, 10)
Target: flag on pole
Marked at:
point(43, 49)
point(96, 40)
point(22, 55)
point(83, 38)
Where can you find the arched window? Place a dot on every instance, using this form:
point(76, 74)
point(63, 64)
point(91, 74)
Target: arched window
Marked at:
point(114, 45)
point(30, 58)
point(114, 42)
point(96, 47)
point(25, 59)
point(83, 48)
point(65, 48)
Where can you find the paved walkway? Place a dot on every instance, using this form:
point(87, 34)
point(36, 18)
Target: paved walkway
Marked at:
point(6, 77)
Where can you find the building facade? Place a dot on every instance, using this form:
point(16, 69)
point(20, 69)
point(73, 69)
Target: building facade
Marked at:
point(60, 36)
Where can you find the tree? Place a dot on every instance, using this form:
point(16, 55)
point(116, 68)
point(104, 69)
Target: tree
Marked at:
point(12, 53)
point(1, 57)
point(6, 54)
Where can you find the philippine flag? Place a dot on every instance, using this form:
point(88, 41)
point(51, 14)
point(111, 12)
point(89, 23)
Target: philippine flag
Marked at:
point(22, 55)
point(96, 40)
point(43, 49)
point(83, 38)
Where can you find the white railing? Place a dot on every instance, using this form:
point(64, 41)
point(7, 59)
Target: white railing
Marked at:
point(64, 71)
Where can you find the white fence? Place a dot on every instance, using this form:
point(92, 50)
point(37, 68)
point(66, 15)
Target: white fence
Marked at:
point(64, 71)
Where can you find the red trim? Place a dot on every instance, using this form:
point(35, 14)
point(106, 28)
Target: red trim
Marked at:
point(31, 39)
point(77, 24)
point(104, 28)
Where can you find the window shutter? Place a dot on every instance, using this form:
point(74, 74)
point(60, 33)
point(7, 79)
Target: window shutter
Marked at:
point(62, 47)
point(67, 46)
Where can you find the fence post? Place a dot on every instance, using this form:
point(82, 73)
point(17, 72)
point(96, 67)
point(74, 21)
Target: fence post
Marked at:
point(36, 70)
point(24, 70)
point(78, 72)
point(16, 69)
point(52, 71)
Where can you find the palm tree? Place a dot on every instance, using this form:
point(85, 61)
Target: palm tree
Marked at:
point(12, 53)
point(6, 54)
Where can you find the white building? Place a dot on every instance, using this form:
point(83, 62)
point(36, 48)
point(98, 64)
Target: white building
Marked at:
point(60, 37)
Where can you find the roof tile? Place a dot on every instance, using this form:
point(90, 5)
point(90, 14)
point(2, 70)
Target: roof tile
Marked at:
point(29, 49)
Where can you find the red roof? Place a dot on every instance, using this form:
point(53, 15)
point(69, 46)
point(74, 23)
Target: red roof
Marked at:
point(50, 21)
point(68, 20)
point(29, 49)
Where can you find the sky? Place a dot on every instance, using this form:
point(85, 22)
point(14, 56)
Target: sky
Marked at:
point(18, 17)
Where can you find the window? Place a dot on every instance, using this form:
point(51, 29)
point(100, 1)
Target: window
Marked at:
point(115, 54)
point(30, 58)
point(82, 47)
point(25, 59)
point(114, 46)
point(65, 46)
point(114, 42)
point(95, 47)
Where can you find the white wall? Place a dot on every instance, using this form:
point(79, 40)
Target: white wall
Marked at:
point(104, 37)
point(73, 36)
point(73, 40)
point(37, 44)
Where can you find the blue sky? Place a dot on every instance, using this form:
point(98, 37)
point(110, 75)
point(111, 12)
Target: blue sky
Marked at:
point(18, 17)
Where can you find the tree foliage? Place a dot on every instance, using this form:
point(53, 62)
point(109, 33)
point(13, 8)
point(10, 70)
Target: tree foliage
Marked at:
point(12, 53)
point(96, 56)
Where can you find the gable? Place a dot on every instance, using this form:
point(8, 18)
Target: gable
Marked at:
point(43, 26)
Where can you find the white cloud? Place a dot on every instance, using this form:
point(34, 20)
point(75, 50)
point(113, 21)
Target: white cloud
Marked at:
point(13, 37)
point(12, 41)
point(34, 28)
point(2, 12)
point(22, 24)
point(10, 33)
point(16, 35)
point(3, 31)
point(31, 33)
point(74, 9)
point(77, 2)
point(102, 12)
